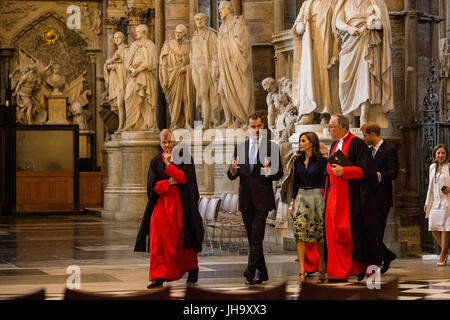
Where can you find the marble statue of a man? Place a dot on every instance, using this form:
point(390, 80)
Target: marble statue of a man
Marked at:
point(116, 78)
point(175, 76)
point(271, 86)
point(205, 70)
point(235, 67)
point(319, 55)
point(140, 91)
point(365, 71)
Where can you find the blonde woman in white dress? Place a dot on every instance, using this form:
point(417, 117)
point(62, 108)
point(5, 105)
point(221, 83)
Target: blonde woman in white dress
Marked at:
point(438, 199)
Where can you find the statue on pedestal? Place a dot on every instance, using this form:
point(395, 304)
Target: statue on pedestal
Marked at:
point(235, 67)
point(365, 70)
point(205, 69)
point(319, 54)
point(55, 79)
point(175, 76)
point(140, 91)
point(116, 77)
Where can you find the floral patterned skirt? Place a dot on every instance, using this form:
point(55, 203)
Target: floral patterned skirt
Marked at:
point(308, 216)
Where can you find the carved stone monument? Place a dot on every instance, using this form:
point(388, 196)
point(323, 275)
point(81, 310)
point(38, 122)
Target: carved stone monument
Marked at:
point(235, 67)
point(175, 76)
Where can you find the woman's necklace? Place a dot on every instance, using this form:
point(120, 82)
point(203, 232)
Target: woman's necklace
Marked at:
point(437, 176)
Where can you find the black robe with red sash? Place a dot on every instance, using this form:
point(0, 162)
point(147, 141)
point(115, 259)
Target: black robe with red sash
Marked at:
point(193, 232)
point(350, 221)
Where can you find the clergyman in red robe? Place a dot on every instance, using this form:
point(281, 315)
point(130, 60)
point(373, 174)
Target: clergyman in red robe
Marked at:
point(171, 218)
point(346, 215)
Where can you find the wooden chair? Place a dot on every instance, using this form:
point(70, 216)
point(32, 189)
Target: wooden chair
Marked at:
point(154, 294)
point(314, 291)
point(275, 293)
point(36, 295)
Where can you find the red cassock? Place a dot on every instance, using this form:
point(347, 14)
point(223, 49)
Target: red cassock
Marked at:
point(168, 258)
point(340, 264)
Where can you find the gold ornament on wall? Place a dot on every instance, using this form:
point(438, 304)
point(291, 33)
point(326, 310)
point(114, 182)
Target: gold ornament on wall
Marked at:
point(50, 36)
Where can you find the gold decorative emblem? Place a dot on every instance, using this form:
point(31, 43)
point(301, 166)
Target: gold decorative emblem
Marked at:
point(50, 37)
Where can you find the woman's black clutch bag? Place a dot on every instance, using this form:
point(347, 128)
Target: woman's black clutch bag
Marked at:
point(340, 159)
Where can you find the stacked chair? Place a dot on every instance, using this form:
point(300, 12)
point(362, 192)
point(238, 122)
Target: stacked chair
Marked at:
point(224, 228)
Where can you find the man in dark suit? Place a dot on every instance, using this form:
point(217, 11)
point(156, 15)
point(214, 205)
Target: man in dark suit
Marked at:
point(257, 162)
point(386, 166)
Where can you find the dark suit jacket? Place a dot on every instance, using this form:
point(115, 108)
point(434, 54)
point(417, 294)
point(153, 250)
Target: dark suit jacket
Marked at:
point(386, 163)
point(254, 187)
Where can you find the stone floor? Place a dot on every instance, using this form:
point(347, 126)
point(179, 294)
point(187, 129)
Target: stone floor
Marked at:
point(37, 252)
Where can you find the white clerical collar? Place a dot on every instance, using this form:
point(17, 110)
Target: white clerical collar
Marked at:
point(342, 139)
point(378, 145)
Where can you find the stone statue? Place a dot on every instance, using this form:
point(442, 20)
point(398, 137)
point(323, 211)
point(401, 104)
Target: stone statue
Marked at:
point(116, 77)
point(319, 54)
point(175, 76)
point(55, 79)
point(287, 116)
point(97, 22)
point(285, 85)
point(77, 99)
point(140, 90)
point(205, 69)
point(26, 81)
point(271, 86)
point(365, 70)
point(235, 67)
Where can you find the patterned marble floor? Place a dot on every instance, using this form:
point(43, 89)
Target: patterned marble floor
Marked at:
point(38, 252)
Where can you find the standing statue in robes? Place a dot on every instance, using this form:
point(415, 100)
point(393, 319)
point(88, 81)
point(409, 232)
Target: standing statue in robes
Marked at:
point(235, 68)
point(205, 69)
point(175, 76)
point(116, 77)
point(140, 91)
point(365, 70)
point(318, 60)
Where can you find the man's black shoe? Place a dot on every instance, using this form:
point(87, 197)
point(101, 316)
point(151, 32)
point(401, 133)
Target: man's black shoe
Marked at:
point(261, 277)
point(361, 276)
point(386, 266)
point(331, 280)
point(192, 276)
point(157, 282)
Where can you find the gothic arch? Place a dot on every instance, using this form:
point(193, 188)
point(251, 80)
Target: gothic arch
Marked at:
point(33, 20)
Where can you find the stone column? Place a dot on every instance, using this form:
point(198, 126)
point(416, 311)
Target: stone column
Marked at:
point(159, 41)
point(113, 171)
point(193, 9)
point(5, 90)
point(137, 148)
point(214, 17)
point(237, 5)
point(111, 27)
point(92, 74)
point(278, 15)
point(135, 17)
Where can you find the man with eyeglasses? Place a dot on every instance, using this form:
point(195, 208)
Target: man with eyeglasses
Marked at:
point(349, 249)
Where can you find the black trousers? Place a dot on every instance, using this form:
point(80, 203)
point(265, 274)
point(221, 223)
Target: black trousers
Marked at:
point(255, 225)
point(386, 254)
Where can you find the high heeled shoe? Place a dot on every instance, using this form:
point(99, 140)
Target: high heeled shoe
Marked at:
point(441, 264)
point(322, 276)
point(303, 275)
